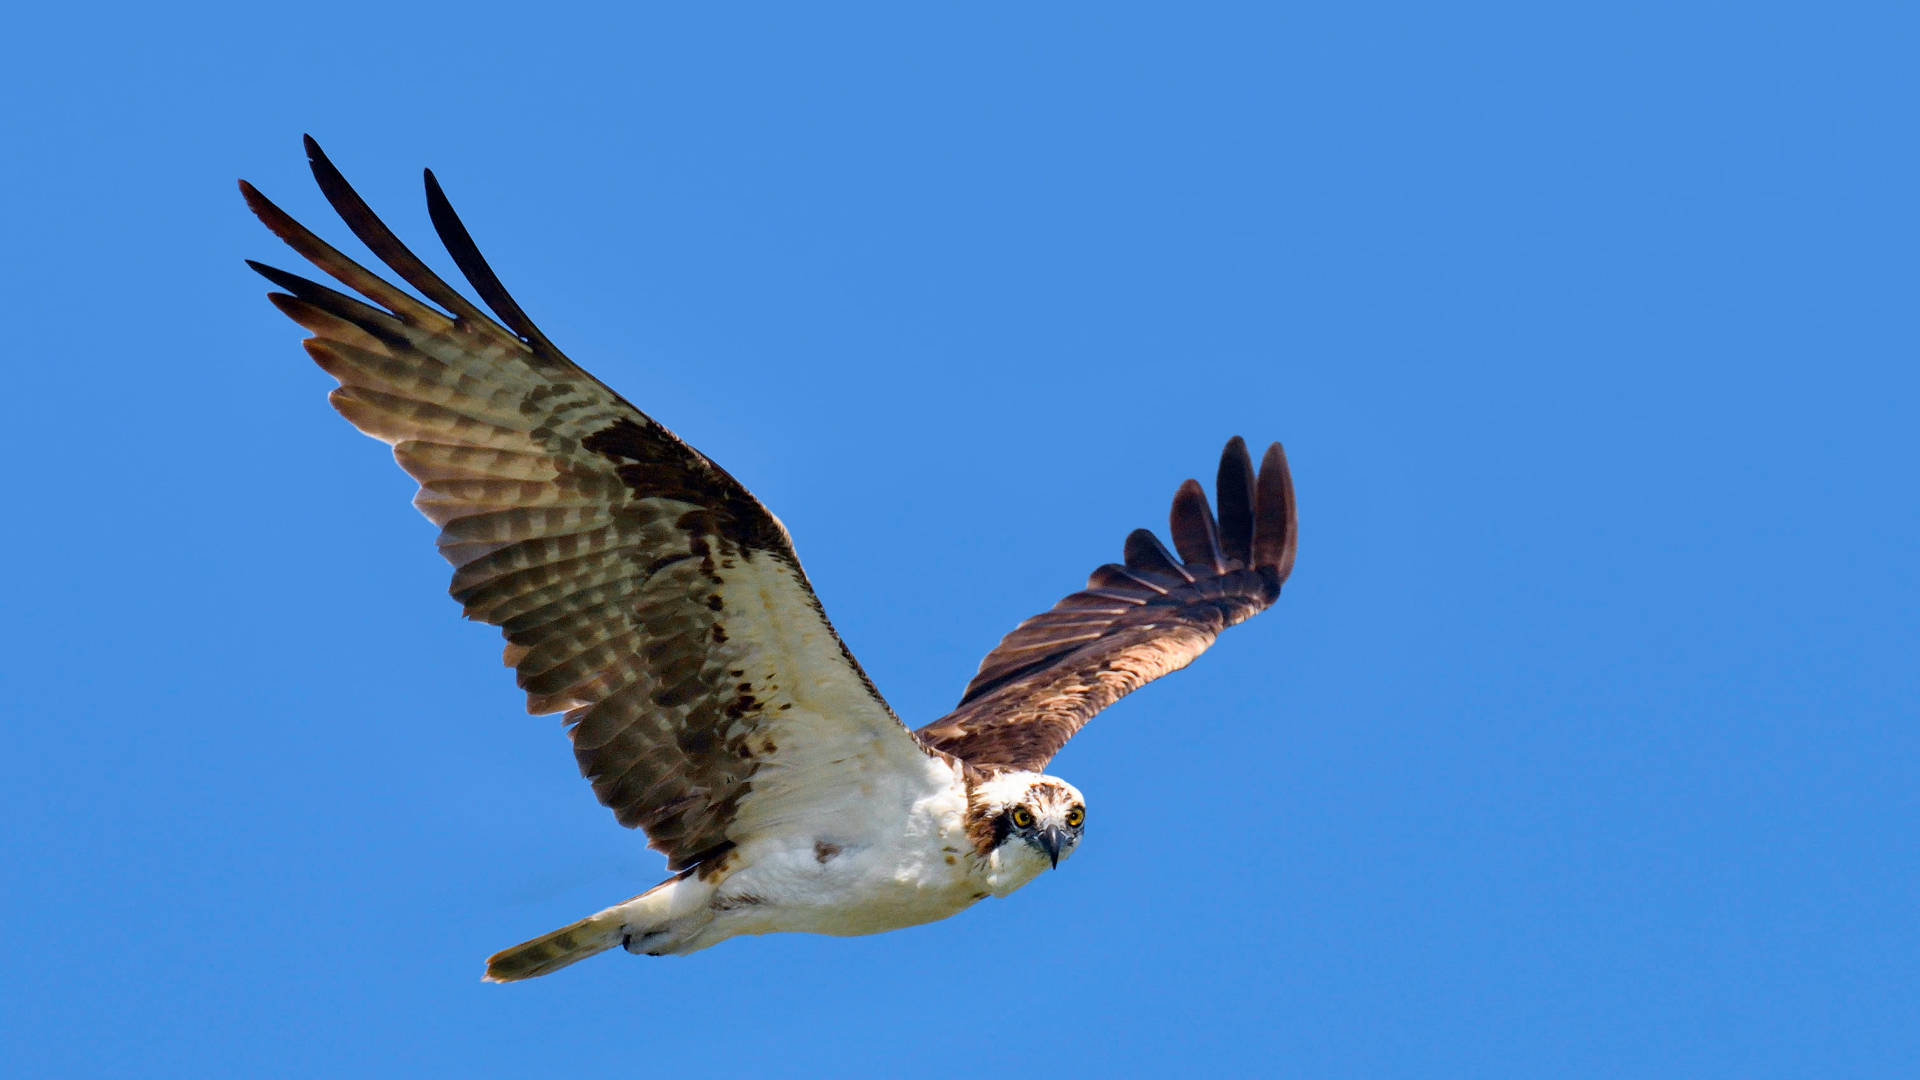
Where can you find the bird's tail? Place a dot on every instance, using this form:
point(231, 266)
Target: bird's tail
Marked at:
point(588, 937)
point(551, 952)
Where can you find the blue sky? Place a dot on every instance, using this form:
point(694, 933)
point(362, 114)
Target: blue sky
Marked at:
point(1581, 744)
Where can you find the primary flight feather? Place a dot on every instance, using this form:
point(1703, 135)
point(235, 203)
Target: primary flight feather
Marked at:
point(645, 593)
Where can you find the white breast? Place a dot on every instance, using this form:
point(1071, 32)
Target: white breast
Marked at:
point(897, 856)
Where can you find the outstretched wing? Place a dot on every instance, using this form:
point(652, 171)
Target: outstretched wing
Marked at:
point(1132, 623)
point(640, 587)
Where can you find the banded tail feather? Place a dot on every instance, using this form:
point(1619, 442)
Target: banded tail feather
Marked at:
point(550, 952)
point(650, 913)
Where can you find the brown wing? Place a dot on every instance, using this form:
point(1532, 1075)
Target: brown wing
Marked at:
point(1132, 623)
point(640, 588)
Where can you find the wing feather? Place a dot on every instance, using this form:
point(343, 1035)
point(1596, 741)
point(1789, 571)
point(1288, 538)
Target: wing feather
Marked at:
point(1195, 534)
point(1274, 536)
point(641, 589)
point(1233, 487)
point(1133, 623)
point(1146, 555)
point(382, 242)
point(466, 255)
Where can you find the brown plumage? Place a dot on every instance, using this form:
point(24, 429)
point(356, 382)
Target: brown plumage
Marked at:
point(644, 592)
point(605, 549)
point(1132, 623)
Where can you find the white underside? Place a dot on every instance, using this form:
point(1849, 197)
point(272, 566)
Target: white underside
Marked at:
point(895, 855)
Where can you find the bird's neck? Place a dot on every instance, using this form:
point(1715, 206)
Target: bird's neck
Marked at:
point(1010, 866)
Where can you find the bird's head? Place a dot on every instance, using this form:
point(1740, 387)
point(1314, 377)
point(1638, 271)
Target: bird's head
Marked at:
point(1025, 822)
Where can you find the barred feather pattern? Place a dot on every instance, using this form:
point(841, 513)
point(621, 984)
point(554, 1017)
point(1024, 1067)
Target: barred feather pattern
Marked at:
point(640, 588)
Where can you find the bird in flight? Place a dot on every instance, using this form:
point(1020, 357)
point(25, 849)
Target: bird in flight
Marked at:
point(644, 593)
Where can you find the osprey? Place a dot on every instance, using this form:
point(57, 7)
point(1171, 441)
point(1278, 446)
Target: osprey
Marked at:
point(644, 593)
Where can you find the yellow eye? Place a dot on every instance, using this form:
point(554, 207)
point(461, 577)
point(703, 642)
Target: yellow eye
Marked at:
point(1075, 816)
point(1021, 817)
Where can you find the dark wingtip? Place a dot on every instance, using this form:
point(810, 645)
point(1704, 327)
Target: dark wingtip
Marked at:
point(278, 221)
point(327, 173)
point(1233, 489)
point(381, 240)
point(1143, 551)
point(1195, 535)
point(261, 206)
point(293, 283)
point(317, 160)
point(458, 241)
point(1276, 529)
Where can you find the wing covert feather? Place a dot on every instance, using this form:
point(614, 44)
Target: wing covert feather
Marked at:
point(1134, 622)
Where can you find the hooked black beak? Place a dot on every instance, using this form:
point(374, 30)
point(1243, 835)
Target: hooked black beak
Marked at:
point(1053, 840)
